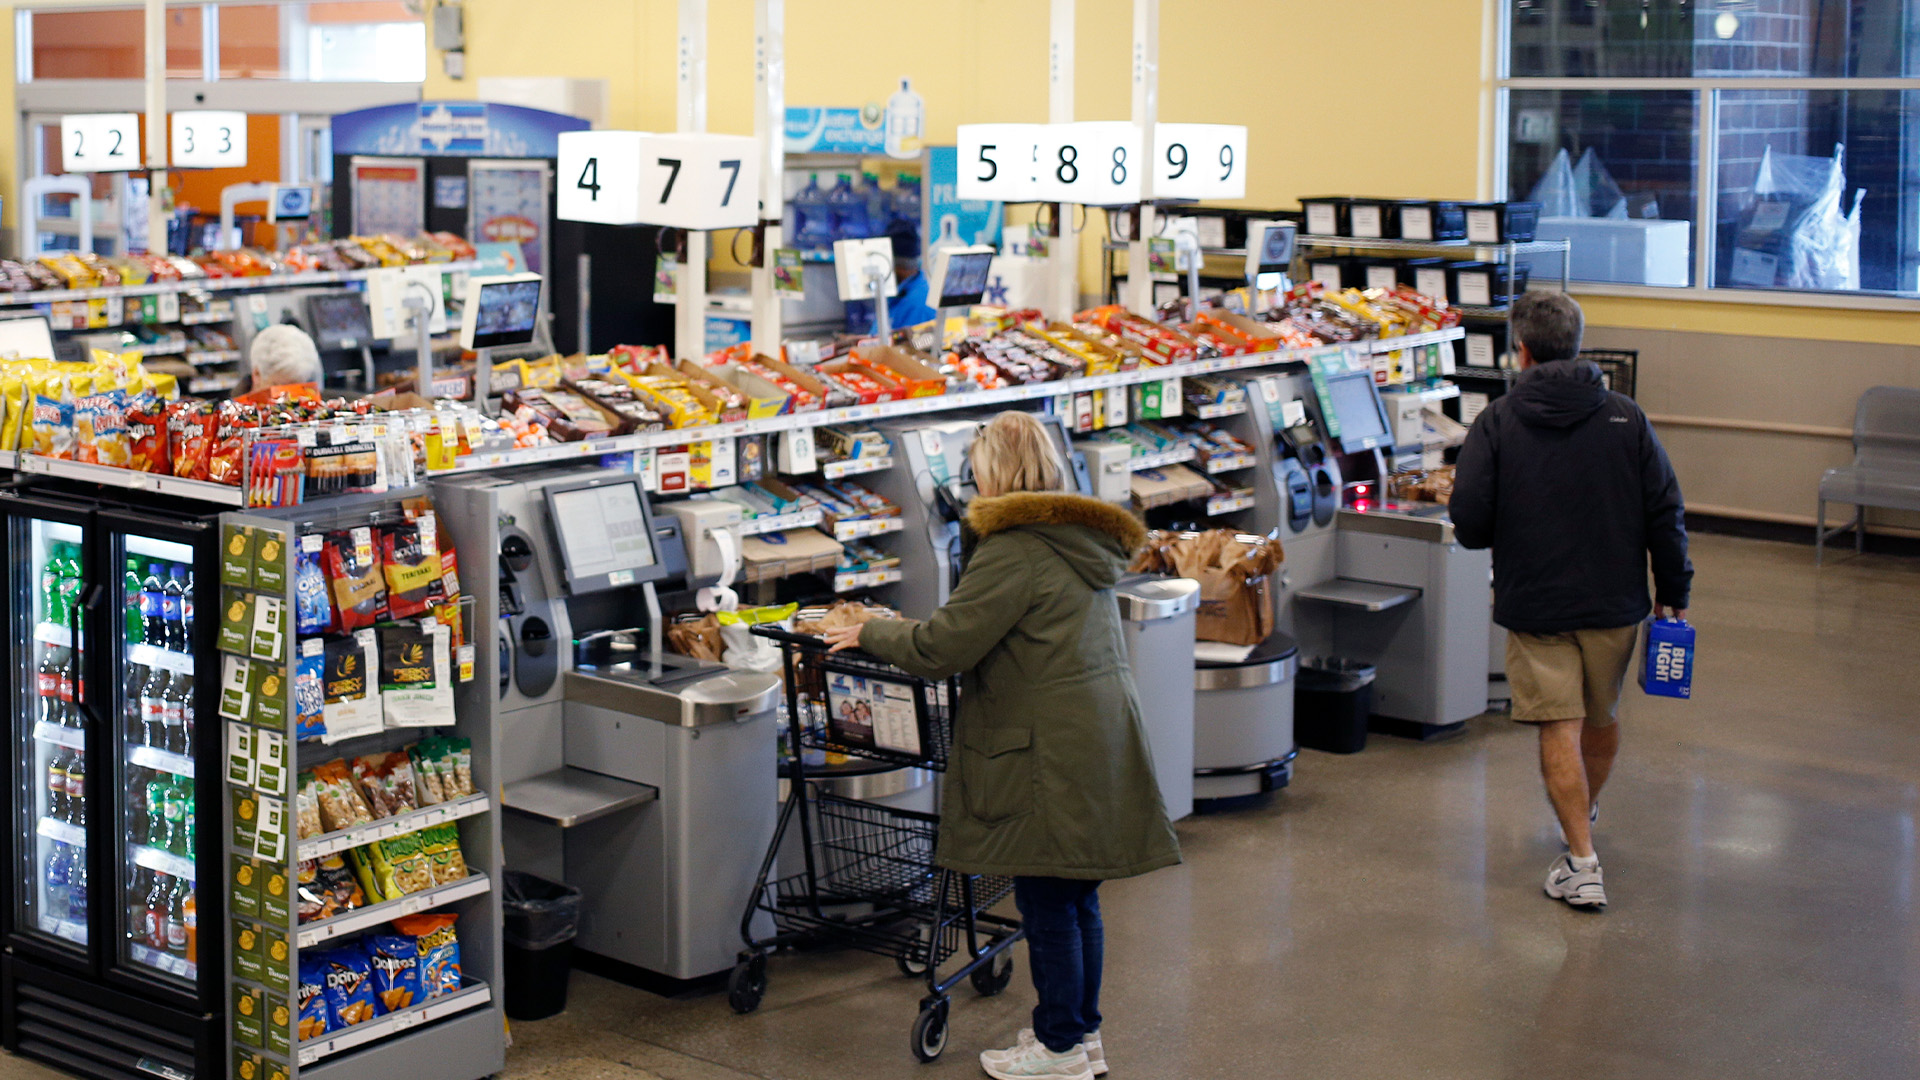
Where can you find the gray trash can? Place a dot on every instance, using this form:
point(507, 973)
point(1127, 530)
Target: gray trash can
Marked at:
point(1157, 617)
point(542, 918)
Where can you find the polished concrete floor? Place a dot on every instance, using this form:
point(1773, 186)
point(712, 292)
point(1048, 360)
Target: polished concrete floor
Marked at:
point(1383, 916)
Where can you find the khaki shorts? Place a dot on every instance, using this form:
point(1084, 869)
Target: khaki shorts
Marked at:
point(1576, 675)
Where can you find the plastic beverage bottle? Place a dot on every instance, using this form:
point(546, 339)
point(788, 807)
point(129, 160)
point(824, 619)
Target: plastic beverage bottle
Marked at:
point(177, 799)
point(77, 788)
point(47, 686)
point(186, 612)
point(187, 819)
point(156, 920)
point(136, 625)
point(77, 889)
point(847, 210)
point(171, 593)
point(158, 789)
point(137, 892)
point(70, 586)
point(815, 230)
point(190, 920)
point(183, 695)
point(173, 718)
point(153, 708)
point(57, 786)
point(155, 632)
point(137, 780)
point(59, 880)
point(52, 602)
point(177, 918)
point(72, 689)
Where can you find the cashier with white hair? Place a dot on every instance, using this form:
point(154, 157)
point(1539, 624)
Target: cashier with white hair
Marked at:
point(281, 355)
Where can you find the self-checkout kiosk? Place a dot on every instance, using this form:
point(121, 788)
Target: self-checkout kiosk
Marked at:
point(645, 779)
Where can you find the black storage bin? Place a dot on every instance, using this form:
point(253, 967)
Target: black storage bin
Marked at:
point(1332, 701)
point(1372, 219)
point(1428, 276)
point(1426, 219)
point(1350, 271)
point(1326, 215)
point(1499, 223)
point(542, 919)
point(1379, 273)
point(1483, 346)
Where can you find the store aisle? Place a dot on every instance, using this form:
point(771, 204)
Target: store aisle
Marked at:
point(1384, 917)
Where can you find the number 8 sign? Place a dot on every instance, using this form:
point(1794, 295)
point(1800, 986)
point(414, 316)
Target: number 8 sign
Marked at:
point(1095, 163)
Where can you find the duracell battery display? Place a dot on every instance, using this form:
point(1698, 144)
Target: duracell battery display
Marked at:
point(342, 469)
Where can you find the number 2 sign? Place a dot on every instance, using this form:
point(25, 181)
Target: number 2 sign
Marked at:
point(691, 180)
point(100, 142)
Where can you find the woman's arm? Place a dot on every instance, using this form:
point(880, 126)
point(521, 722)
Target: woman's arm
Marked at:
point(990, 598)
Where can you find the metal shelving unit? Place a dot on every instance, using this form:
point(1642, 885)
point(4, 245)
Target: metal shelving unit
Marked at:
point(259, 282)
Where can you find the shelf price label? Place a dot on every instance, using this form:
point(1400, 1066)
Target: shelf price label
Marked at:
point(999, 162)
point(691, 180)
point(1094, 163)
point(100, 142)
point(206, 139)
point(1199, 161)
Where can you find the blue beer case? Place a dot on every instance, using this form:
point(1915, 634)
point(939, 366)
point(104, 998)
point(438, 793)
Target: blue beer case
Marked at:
point(1666, 667)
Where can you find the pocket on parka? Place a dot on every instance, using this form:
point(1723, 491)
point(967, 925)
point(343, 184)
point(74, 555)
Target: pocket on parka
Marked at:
point(998, 781)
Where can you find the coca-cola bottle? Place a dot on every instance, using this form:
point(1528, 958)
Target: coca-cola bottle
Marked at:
point(77, 787)
point(57, 785)
point(137, 891)
point(156, 912)
point(47, 687)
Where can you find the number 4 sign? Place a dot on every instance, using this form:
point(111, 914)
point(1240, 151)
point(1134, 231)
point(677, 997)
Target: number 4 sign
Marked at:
point(692, 180)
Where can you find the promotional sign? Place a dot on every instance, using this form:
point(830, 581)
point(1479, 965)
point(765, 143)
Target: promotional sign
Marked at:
point(1199, 161)
point(508, 205)
point(836, 130)
point(956, 220)
point(452, 129)
point(692, 180)
point(208, 139)
point(1000, 162)
point(1094, 163)
point(100, 142)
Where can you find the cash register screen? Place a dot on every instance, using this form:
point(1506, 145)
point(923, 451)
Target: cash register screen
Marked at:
point(605, 536)
point(1363, 419)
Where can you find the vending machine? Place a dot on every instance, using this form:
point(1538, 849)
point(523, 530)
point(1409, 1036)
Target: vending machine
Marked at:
point(112, 961)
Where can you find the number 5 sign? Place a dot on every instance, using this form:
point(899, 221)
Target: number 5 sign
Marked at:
point(691, 180)
point(1199, 161)
point(998, 162)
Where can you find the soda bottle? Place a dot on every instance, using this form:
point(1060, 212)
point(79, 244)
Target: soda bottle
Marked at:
point(70, 586)
point(186, 613)
point(137, 780)
point(137, 904)
point(47, 686)
point(154, 631)
point(170, 597)
point(77, 889)
point(177, 918)
point(156, 914)
point(72, 685)
point(178, 798)
point(59, 880)
point(153, 708)
point(173, 717)
point(183, 687)
point(158, 790)
point(136, 625)
point(190, 919)
point(77, 787)
point(57, 786)
point(52, 596)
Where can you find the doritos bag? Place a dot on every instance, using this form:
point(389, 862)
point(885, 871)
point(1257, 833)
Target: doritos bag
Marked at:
point(396, 971)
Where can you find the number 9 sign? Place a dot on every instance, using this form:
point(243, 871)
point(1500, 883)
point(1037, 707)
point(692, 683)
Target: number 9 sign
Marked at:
point(1199, 161)
point(1095, 163)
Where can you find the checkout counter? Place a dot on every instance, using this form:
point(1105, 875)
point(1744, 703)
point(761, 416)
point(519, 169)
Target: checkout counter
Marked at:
point(647, 780)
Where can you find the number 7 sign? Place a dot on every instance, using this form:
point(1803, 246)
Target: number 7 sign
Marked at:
point(691, 180)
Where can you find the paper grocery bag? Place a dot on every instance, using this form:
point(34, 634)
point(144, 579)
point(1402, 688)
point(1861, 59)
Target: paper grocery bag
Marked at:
point(1235, 574)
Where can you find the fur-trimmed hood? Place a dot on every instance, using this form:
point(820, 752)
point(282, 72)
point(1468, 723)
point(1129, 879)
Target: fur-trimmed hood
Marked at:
point(1096, 539)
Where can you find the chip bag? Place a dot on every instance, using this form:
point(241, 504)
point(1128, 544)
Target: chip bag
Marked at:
point(53, 434)
point(146, 417)
point(396, 971)
point(437, 944)
point(349, 981)
point(316, 1016)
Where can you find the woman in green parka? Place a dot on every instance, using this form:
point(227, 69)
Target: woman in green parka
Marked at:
point(1049, 781)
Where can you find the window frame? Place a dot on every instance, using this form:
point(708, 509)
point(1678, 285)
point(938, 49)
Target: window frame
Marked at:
point(1707, 174)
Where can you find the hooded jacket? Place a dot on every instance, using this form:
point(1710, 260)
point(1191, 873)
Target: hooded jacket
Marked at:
point(1050, 775)
point(1567, 483)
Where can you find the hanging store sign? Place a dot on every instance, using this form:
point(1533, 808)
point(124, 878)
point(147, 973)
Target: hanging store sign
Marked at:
point(208, 139)
point(1199, 161)
point(691, 180)
point(100, 142)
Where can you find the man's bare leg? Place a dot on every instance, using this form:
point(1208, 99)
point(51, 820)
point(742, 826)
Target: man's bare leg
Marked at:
point(1598, 745)
point(1566, 777)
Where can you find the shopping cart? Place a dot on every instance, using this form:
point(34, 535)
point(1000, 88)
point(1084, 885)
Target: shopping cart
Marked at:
point(867, 878)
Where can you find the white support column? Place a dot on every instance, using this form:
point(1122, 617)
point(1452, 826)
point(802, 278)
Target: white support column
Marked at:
point(156, 29)
point(1063, 256)
point(769, 127)
point(1146, 113)
point(690, 311)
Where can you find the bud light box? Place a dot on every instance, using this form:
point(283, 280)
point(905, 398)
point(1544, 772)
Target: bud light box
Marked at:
point(1666, 669)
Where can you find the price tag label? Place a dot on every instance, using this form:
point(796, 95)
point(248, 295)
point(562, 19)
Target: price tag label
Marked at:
point(1095, 163)
point(691, 180)
point(1199, 161)
point(100, 142)
point(999, 162)
point(203, 139)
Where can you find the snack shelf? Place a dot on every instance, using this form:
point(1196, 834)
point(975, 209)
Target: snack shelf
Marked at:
point(71, 738)
point(648, 440)
point(1230, 463)
point(1162, 459)
point(152, 757)
point(211, 357)
point(151, 656)
point(64, 832)
point(53, 634)
point(164, 862)
point(834, 470)
point(864, 579)
point(1227, 504)
point(1494, 373)
point(262, 281)
point(803, 519)
point(163, 961)
point(108, 476)
point(202, 318)
point(1435, 247)
point(314, 933)
point(864, 527)
point(467, 997)
point(1216, 410)
point(399, 825)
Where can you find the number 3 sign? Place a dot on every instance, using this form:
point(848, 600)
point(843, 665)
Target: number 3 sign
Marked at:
point(692, 180)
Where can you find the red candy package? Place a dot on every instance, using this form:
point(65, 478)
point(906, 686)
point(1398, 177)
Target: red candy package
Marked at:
point(226, 464)
point(190, 431)
point(147, 428)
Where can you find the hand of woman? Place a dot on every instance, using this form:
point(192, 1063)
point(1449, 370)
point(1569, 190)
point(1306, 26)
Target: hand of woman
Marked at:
point(843, 638)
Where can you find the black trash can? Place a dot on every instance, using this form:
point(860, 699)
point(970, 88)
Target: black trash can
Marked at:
point(542, 918)
point(1332, 702)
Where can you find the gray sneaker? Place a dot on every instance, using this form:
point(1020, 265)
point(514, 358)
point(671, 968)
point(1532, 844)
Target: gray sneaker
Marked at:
point(1579, 888)
point(1096, 1053)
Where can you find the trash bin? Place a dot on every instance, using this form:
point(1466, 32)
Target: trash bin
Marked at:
point(1335, 698)
point(542, 918)
point(1157, 617)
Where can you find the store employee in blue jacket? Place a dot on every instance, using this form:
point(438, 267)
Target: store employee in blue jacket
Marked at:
point(908, 306)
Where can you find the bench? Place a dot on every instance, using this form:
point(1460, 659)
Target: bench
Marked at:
point(1886, 464)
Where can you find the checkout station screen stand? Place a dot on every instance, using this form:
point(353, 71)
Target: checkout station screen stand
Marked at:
point(605, 538)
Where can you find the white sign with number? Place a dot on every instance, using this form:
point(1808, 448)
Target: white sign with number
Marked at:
point(999, 162)
point(1094, 163)
point(208, 140)
point(1199, 161)
point(691, 180)
point(598, 173)
point(100, 142)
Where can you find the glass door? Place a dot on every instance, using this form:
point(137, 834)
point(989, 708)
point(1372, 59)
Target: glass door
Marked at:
point(52, 872)
point(156, 921)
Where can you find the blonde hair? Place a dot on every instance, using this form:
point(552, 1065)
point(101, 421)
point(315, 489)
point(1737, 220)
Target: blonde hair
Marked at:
point(1014, 453)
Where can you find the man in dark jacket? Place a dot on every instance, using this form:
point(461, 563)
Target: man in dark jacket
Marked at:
point(1567, 483)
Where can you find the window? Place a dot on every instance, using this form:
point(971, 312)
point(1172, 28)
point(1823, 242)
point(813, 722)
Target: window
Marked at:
point(305, 40)
point(1721, 144)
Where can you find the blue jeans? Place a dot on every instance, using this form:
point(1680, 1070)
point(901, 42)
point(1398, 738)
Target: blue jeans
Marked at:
point(1065, 947)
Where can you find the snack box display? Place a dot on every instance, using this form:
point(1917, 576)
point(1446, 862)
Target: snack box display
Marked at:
point(869, 383)
point(910, 371)
point(1168, 485)
point(568, 416)
point(783, 554)
point(628, 408)
point(734, 402)
point(1172, 345)
point(1258, 337)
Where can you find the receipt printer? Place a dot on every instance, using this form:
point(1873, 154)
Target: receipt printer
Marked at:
point(700, 518)
point(1109, 468)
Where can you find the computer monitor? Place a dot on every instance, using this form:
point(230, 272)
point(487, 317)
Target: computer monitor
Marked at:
point(1354, 403)
point(340, 320)
point(959, 276)
point(30, 338)
point(604, 532)
point(500, 311)
point(1269, 247)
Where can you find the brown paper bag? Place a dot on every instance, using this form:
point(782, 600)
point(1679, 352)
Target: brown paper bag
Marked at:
point(699, 638)
point(1236, 595)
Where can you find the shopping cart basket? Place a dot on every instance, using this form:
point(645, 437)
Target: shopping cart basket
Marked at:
point(867, 877)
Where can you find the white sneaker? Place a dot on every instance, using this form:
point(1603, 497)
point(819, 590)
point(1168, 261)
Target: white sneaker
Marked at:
point(1579, 888)
point(1096, 1053)
point(1033, 1061)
